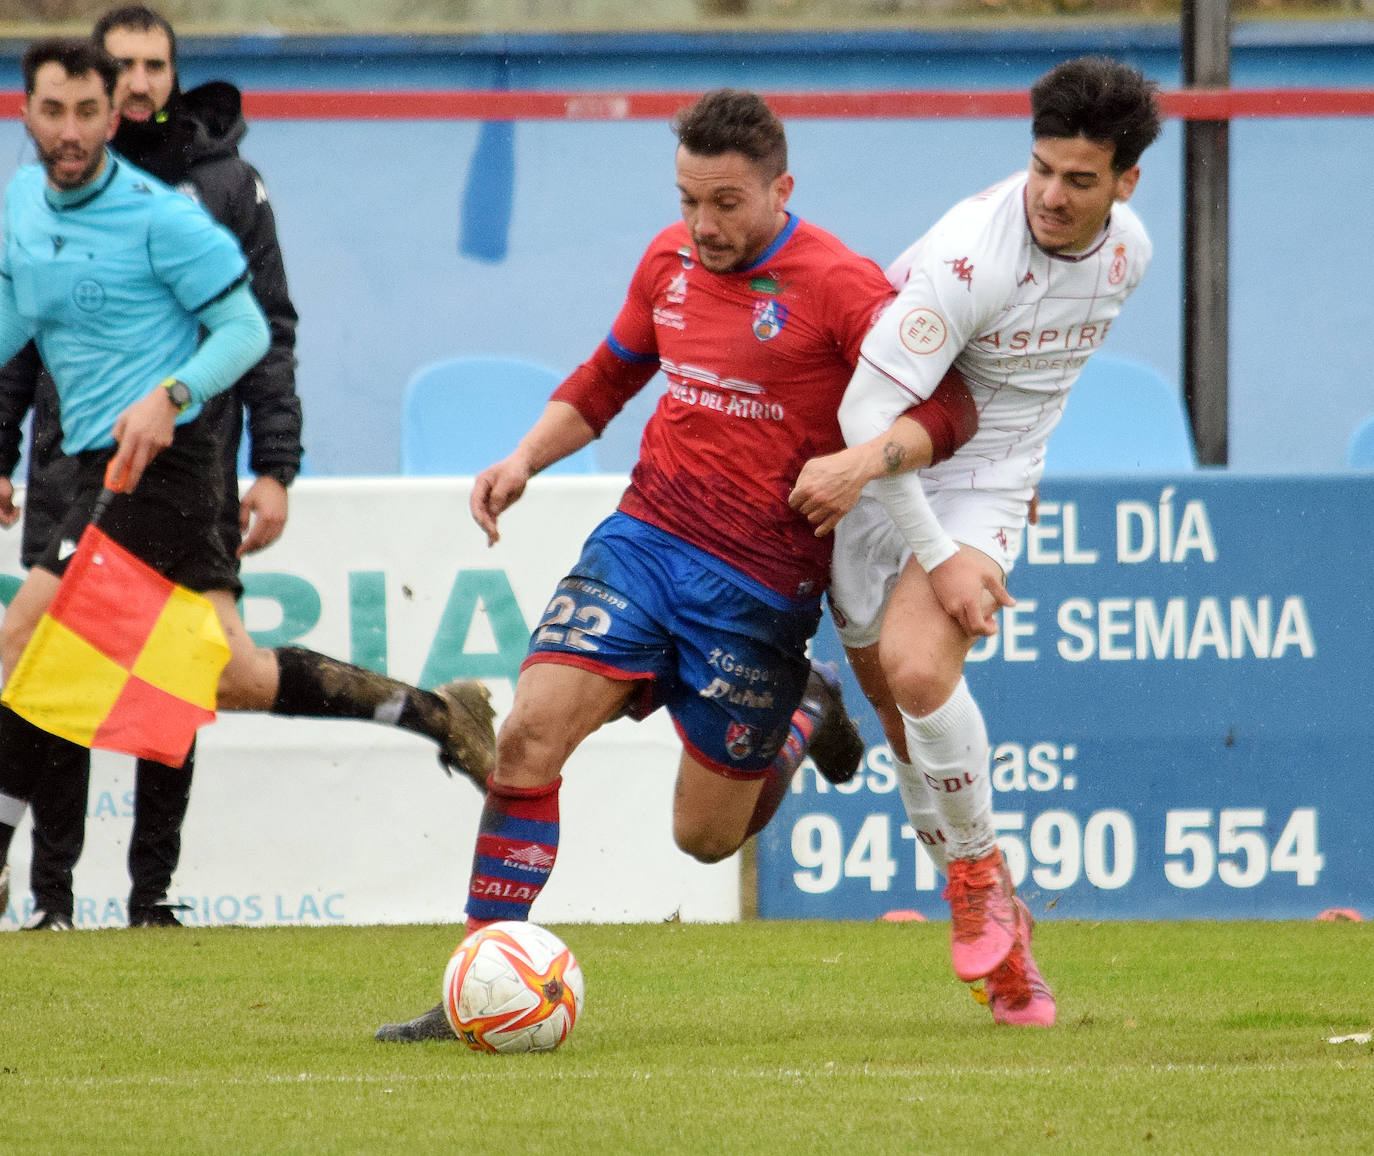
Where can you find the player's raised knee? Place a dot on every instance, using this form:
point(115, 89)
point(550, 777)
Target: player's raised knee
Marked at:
point(705, 845)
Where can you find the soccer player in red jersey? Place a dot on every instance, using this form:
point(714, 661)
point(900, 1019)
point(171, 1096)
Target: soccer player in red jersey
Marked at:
point(701, 592)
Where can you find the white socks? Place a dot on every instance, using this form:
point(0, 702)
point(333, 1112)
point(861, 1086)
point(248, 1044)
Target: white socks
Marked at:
point(919, 801)
point(949, 756)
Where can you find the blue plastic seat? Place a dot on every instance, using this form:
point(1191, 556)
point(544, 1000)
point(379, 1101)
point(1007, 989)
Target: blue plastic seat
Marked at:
point(1360, 452)
point(460, 415)
point(1121, 417)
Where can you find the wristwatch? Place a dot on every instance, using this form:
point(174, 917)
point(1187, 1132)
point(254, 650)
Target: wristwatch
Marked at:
point(179, 393)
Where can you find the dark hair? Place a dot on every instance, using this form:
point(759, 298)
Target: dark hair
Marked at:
point(1100, 99)
point(138, 18)
point(729, 120)
point(76, 56)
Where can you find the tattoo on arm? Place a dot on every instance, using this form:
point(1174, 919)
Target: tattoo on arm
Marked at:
point(893, 457)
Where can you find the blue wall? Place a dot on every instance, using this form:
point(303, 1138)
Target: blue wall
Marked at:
point(1126, 757)
point(369, 213)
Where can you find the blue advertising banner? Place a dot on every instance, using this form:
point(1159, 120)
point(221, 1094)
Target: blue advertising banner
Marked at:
point(1179, 707)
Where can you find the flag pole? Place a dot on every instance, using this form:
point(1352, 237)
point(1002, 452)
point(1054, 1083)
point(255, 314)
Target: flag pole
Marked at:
point(114, 484)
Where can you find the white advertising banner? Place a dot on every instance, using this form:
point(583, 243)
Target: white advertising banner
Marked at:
point(307, 822)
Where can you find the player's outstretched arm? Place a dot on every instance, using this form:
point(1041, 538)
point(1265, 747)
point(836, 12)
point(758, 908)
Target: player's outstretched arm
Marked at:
point(560, 431)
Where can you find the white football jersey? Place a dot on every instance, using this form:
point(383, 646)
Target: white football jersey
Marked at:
point(1018, 322)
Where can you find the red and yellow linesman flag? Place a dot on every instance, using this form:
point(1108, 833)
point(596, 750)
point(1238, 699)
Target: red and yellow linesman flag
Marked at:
point(124, 659)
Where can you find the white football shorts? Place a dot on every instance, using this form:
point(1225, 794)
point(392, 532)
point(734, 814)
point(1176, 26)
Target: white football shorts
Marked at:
point(870, 551)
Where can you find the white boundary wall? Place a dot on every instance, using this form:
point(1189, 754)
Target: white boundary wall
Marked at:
point(310, 822)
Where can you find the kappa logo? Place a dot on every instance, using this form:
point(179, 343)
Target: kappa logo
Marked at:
point(739, 740)
point(677, 290)
point(962, 270)
point(769, 318)
point(1028, 279)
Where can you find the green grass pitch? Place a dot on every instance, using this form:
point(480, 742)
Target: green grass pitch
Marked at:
point(756, 1037)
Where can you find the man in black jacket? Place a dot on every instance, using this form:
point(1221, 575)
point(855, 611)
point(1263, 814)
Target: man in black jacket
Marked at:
point(190, 141)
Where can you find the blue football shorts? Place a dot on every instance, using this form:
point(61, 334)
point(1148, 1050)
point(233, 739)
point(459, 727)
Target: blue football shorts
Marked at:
point(722, 653)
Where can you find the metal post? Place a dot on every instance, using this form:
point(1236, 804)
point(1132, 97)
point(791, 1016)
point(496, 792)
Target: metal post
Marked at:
point(1206, 30)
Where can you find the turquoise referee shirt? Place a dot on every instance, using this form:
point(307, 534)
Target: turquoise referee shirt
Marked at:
point(107, 279)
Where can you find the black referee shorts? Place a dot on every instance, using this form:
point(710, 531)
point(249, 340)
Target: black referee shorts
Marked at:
point(169, 521)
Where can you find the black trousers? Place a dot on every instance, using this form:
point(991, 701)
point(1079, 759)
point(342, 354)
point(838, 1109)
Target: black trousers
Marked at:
point(59, 801)
point(51, 773)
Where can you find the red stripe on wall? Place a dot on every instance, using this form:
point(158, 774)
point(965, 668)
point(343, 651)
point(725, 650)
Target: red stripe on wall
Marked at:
point(1188, 104)
point(971, 104)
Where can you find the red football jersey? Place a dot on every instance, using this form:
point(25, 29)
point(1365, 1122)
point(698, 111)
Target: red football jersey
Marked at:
point(756, 362)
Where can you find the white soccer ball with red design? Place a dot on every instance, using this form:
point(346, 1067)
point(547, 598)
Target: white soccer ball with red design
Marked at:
point(513, 987)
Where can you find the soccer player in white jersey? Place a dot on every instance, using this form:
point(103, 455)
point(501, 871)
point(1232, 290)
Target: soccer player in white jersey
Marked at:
point(1016, 287)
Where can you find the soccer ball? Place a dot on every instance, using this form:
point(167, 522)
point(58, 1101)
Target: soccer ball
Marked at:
point(512, 987)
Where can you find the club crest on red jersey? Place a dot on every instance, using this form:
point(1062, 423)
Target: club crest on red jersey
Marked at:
point(739, 740)
point(769, 318)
